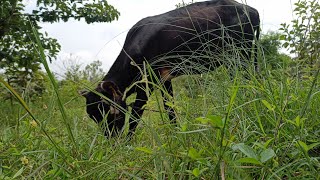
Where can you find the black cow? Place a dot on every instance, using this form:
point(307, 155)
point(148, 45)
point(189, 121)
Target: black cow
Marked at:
point(188, 39)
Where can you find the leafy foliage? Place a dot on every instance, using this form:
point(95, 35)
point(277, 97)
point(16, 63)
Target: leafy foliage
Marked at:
point(76, 73)
point(54, 11)
point(19, 56)
point(303, 34)
point(270, 45)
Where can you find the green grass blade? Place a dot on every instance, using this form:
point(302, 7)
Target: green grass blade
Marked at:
point(303, 111)
point(54, 84)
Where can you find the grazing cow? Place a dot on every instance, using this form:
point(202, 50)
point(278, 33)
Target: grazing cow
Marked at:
point(188, 39)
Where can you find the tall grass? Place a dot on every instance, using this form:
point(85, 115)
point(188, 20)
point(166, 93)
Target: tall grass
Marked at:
point(247, 126)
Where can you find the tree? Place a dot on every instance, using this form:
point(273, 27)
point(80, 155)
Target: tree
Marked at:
point(303, 34)
point(92, 72)
point(19, 57)
point(271, 45)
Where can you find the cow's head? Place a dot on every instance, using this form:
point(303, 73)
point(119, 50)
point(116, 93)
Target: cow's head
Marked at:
point(106, 112)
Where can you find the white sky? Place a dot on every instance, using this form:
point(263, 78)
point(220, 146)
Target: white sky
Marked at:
point(103, 41)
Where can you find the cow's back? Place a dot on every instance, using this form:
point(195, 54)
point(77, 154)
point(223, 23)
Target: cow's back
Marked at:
point(152, 33)
point(159, 39)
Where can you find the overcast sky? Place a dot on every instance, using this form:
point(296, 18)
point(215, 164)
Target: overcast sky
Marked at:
point(103, 41)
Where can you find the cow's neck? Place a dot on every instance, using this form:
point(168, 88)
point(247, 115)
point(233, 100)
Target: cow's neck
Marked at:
point(122, 73)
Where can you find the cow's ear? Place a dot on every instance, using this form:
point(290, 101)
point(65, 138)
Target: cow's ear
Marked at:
point(110, 87)
point(83, 92)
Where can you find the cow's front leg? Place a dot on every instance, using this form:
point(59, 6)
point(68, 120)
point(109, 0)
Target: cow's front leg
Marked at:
point(137, 110)
point(168, 87)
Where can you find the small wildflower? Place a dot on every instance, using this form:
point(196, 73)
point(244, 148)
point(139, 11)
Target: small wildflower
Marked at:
point(24, 160)
point(33, 123)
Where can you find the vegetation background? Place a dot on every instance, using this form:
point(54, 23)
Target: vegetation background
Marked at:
point(263, 127)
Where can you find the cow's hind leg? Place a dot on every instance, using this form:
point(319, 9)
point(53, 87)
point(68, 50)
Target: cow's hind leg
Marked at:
point(168, 87)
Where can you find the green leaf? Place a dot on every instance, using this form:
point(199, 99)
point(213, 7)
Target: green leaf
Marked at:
point(184, 127)
point(194, 154)
point(267, 155)
point(100, 155)
point(303, 145)
point(203, 120)
point(170, 104)
point(291, 122)
point(215, 121)
point(247, 150)
point(268, 105)
point(196, 172)
point(311, 146)
point(6, 167)
point(144, 149)
point(18, 173)
point(285, 45)
point(282, 37)
point(266, 144)
point(249, 161)
point(297, 120)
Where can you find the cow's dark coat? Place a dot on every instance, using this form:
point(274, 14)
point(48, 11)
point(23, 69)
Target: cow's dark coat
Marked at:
point(185, 39)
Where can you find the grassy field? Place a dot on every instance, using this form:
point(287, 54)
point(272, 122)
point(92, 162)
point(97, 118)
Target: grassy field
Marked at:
point(256, 128)
point(237, 124)
point(264, 126)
